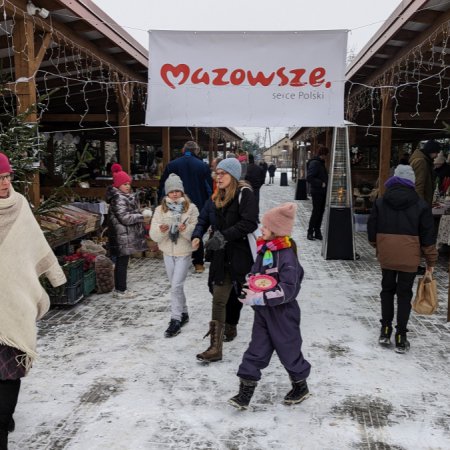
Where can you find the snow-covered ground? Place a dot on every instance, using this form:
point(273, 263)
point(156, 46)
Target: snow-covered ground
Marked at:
point(108, 379)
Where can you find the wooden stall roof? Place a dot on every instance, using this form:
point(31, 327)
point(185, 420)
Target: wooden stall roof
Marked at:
point(410, 53)
point(91, 61)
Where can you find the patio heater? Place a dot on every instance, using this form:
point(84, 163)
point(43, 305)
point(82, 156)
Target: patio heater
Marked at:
point(338, 241)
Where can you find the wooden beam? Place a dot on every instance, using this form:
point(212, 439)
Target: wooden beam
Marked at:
point(63, 32)
point(421, 39)
point(76, 118)
point(42, 49)
point(385, 139)
point(124, 141)
point(423, 116)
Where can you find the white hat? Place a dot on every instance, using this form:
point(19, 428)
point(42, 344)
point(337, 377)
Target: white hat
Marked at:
point(405, 172)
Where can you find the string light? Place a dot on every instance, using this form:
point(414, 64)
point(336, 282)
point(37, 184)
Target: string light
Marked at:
point(76, 66)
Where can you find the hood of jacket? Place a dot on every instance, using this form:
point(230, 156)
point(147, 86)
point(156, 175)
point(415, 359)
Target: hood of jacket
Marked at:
point(419, 154)
point(399, 196)
point(112, 191)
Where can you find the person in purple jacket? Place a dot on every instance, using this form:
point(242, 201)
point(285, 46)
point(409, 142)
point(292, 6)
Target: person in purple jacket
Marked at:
point(276, 324)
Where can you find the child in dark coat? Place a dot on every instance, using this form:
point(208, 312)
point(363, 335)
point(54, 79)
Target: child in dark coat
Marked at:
point(400, 227)
point(276, 325)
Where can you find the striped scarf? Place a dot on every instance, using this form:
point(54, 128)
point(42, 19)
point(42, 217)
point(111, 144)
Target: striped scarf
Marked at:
point(267, 247)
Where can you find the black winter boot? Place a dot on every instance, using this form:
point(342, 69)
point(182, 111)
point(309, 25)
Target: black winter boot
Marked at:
point(230, 332)
point(184, 319)
point(318, 235)
point(310, 236)
point(385, 335)
point(173, 329)
point(246, 390)
point(298, 393)
point(401, 343)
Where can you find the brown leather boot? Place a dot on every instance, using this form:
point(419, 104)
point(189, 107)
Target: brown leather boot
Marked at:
point(214, 351)
point(230, 332)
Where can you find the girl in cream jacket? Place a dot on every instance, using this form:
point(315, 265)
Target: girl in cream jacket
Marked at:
point(172, 226)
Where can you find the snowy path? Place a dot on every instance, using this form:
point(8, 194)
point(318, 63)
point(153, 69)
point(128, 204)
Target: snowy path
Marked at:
point(108, 379)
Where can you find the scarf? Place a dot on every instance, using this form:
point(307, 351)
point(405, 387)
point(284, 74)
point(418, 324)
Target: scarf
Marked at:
point(26, 256)
point(176, 209)
point(267, 247)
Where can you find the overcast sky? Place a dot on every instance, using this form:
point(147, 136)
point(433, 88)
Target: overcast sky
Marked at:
point(361, 17)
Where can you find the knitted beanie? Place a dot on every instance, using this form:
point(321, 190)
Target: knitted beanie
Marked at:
point(173, 183)
point(405, 172)
point(5, 167)
point(232, 166)
point(119, 176)
point(431, 147)
point(280, 220)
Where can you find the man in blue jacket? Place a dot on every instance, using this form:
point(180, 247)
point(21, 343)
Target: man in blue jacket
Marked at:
point(197, 182)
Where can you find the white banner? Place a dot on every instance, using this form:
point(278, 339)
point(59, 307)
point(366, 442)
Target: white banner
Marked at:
point(227, 78)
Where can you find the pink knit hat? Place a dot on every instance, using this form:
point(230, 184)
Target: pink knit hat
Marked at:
point(280, 220)
point(119, 176)
point(5, 167)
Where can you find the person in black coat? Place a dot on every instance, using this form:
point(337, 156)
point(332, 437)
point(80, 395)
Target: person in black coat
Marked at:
point(255, 176)
point(198, 185)
point(126, 231)
point(272, 169)
point(317, 177)
point(233, 214)
point(264, 167)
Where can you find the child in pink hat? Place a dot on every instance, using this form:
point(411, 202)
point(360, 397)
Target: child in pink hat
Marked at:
point(276, 324)
point(126, 233)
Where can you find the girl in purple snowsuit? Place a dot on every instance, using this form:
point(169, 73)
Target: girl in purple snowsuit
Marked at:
point(276, 324)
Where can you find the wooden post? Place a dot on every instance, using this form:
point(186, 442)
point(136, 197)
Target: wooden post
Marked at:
point(26, 62)
point(124, 141)
point(329, 138)
point(211, 148)
point(385, 139)
point(351, 136)
point(124, 93)
point(166, 145)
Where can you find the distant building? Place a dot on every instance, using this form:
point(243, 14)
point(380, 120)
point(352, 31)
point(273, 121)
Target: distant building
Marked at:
point(280, 153)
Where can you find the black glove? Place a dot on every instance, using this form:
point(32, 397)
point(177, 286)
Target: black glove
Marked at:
point(217, 242)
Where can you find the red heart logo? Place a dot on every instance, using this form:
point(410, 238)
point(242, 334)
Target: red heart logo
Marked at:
point(175, 71)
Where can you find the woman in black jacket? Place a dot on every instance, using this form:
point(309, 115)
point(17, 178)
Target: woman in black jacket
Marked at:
point(126, 231)
point(233, 213)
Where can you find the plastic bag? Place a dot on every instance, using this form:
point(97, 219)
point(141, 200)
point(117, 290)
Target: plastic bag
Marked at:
point(91, 247)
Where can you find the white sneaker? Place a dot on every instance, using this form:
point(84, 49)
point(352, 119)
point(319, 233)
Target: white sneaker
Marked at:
point(124, 294)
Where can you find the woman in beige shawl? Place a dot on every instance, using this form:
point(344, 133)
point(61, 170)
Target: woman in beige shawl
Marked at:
point(25, 256)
